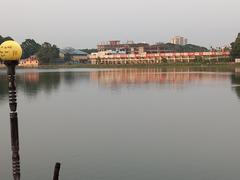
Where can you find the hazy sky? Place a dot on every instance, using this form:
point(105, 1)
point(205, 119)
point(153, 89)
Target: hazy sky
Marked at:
point(84, 23)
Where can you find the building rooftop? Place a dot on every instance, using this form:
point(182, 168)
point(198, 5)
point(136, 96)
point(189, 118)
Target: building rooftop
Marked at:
point(78, 52)
point(72, 51)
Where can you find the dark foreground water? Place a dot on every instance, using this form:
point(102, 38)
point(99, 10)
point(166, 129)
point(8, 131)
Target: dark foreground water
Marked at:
point(125, 124)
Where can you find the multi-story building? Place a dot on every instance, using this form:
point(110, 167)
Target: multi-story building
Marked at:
point(179, 40)
point(130, 47)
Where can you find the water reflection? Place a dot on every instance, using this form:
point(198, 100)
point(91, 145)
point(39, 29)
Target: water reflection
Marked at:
point(71, 77)
point(134, 77)
point(235, 80)
point(32, 82)
point(132, 133)
point(3, 87)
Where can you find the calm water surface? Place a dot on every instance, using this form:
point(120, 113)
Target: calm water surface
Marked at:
point(125, 124)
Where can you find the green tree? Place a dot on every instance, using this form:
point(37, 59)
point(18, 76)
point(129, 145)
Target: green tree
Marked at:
point(30, 47)
point(8, 38)
point(235, 52)
point(48, 53)
point(2, 39)
point(235, 78)
point(67, 57)
point(55, 51)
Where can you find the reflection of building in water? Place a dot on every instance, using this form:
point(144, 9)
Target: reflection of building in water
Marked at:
point(237, 70)
point(1, 64)
point(157, 76)
point(26, 81)
point(30, 76)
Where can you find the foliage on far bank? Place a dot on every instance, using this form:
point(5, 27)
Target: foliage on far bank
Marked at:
point(235, 52)
point(67, 57)
point(47, 53)
point(30, 48)
point(185, 48)
point(2, 39)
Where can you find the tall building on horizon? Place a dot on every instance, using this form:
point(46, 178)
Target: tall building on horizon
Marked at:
point(179, 40)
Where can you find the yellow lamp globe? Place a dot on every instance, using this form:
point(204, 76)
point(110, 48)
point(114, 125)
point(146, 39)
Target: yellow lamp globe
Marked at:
point(10, 51)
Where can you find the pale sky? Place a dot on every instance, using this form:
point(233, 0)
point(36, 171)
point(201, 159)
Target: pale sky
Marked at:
point(84, 23)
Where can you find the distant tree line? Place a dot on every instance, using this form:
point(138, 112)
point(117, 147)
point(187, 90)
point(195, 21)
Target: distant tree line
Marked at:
point(2, 39)
point(235, 48)
point(46, 52)
point(180, 48)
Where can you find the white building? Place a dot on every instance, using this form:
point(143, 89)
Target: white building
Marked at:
point(237, 60)
point(179, 40)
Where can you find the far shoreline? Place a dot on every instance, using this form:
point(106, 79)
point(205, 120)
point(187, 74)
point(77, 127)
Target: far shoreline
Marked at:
point(116, 66)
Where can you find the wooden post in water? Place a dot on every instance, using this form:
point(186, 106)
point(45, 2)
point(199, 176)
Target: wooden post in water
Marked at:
point(56, 171)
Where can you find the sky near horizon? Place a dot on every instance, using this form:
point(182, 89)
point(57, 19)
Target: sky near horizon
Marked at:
point(82, 24)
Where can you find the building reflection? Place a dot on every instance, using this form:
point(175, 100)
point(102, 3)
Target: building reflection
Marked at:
point(125, 77)
point(33, 82)
point(32, 77)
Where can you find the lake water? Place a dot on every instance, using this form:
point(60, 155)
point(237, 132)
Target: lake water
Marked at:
point(125, 124)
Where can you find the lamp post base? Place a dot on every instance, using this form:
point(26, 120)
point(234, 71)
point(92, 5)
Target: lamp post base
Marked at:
point(11, 66)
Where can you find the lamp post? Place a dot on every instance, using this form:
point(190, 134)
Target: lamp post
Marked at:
point(10, 53)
